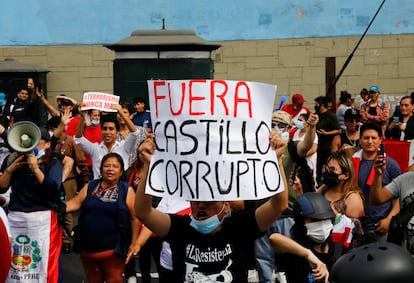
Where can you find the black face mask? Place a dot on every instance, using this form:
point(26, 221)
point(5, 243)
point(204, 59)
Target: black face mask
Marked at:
point(330, 179)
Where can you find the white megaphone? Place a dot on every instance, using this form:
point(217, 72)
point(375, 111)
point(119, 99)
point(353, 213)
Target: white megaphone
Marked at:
point(23, 136)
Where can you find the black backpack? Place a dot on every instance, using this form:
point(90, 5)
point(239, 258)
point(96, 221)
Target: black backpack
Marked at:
point(398, 224)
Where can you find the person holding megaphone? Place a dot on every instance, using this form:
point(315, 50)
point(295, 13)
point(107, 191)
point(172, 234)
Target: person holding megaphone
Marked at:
point(35, 174)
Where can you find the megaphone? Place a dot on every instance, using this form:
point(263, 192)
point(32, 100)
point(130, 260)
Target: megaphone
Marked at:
point(23, 136)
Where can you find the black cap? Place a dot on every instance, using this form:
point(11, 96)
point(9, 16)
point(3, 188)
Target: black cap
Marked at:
point(315, 206)
point(352, 113)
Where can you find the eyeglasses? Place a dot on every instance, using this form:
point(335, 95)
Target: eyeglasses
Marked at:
point(279, 125)
point(331, 168)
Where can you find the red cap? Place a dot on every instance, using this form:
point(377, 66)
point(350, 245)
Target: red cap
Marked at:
point(298, 99)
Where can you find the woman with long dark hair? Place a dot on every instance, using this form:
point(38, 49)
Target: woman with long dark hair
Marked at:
point(340, 189)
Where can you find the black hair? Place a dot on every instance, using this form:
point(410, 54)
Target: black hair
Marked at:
point(364, 91)
point(138, 99)
point(370, 126)
point(323, 100)
point(111, 119)
point(109, 155)
point(305, 116)
point(35, 80)
point(344, 96)
point(23, 87)
point(129, 106)
point(75, 110)
point(89, 111)
point(407, 97)
point(53, 122)
point(4, 121)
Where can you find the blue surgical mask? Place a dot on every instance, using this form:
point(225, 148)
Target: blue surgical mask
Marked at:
point(94, 123)
point(208, 225)
point(40, 153)
point(300, 125)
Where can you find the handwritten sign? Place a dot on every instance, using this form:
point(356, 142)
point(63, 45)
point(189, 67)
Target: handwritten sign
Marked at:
point(99, 100)
point(212, 139)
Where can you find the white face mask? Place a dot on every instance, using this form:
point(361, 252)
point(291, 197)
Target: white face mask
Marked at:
point(284, 134)
point(319, 231)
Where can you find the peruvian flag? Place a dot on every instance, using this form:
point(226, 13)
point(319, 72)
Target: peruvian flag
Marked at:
point(342, 230)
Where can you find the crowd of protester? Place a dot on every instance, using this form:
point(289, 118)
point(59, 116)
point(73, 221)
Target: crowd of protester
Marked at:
point(342, 192)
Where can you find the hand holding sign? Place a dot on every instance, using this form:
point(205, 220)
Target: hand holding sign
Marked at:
point(278, 143)
point(146, 149)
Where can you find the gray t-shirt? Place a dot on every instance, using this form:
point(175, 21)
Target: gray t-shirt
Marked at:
point(402, 188)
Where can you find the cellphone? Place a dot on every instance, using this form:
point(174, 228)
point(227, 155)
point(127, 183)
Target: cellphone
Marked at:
point(396, 119)
point(382, 149)
point(293, 173)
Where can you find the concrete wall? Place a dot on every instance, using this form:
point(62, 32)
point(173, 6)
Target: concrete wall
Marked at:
point(298, 65)
point(294, 65)
point(74, 22)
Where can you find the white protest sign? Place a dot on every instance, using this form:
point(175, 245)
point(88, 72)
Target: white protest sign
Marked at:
point(99, 100)
point(212, 139)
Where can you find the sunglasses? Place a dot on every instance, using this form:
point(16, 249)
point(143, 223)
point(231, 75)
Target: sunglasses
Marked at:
point(279, 125)
point(353, 120)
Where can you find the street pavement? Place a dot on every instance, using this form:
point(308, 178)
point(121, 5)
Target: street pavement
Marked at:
point(73, 271)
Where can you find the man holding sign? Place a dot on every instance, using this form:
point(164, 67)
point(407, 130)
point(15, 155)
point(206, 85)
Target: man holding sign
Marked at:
point(110, 131)
point(212, 146)
point(209, 245)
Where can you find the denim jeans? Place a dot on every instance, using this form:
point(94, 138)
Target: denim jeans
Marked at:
point(265, 260)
